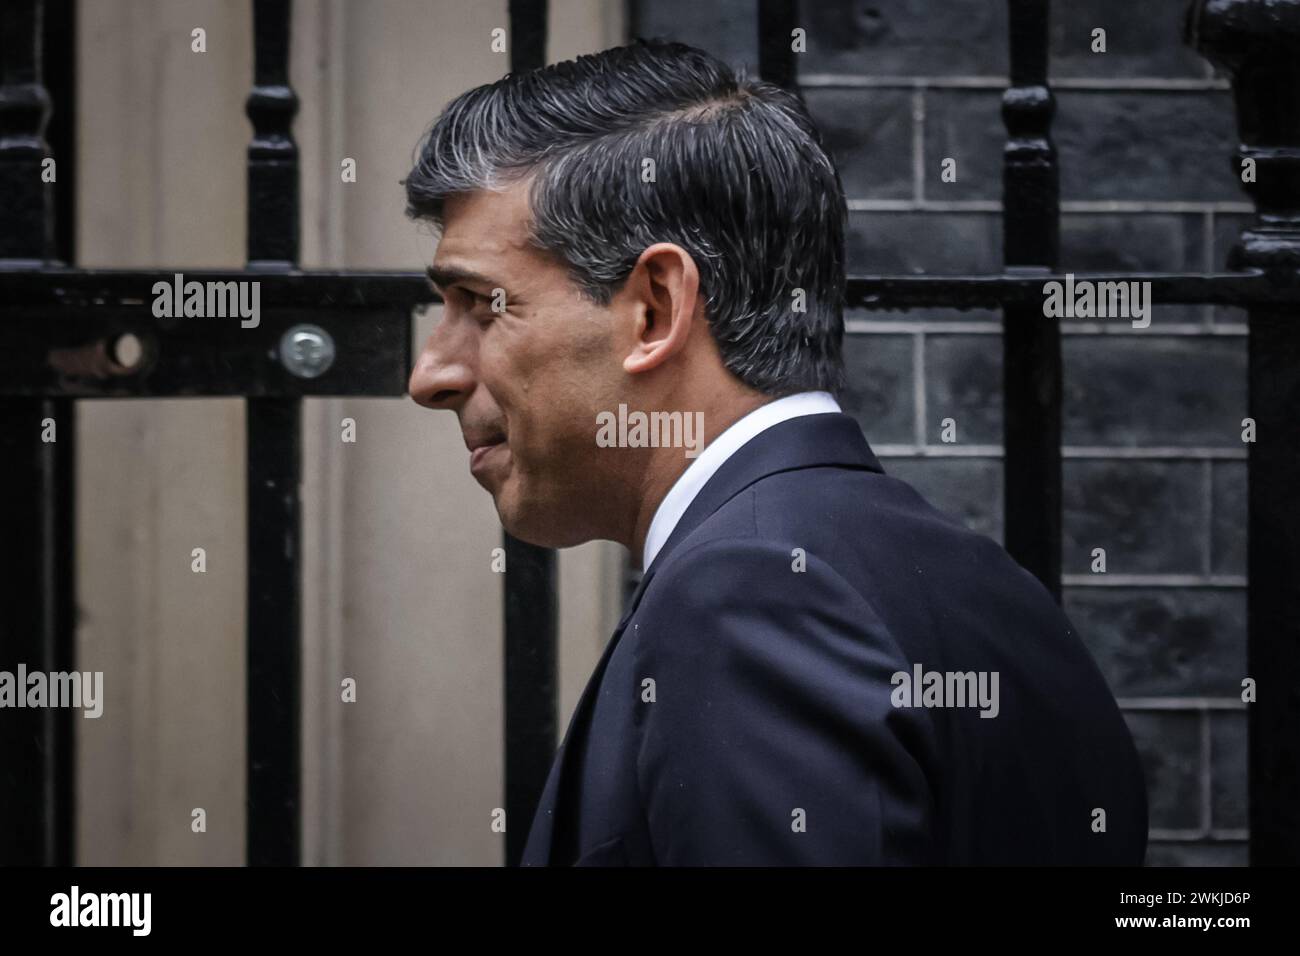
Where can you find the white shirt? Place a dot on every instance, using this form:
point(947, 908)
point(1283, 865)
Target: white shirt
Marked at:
point(697, 474)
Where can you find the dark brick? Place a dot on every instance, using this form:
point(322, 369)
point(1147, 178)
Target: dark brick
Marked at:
point(1145, 145)
point(924, 315)
point(1228, 533)
point(1139, 389)
point(724, 28)
point(1169, 745)
point(1154, 642)
point(1198, 854)
point(964, 382)
point(967, 126)
point(1228, 770)
point(1112, 145)
point(869, 135)
point(905, 38)
point(1228, 227)
point(1148, 515)
point(1227, 232)
point(969, 489)
point(915, 242)
point(1131, 242)
point(1142, 39)
point(880, 393)
point(1229, 315)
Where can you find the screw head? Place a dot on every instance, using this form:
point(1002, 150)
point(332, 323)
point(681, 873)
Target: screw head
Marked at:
point(307, 351)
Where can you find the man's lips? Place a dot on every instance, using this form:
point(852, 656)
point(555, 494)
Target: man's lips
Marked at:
point(481, 451)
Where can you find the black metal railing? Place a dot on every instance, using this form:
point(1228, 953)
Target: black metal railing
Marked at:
point(54, 312)
point(48, 305)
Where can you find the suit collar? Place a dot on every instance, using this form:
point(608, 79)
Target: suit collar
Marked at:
point(809, 441)
point(732, 438)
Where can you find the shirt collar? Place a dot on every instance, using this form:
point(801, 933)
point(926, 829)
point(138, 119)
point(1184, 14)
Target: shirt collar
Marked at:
point(697, 474)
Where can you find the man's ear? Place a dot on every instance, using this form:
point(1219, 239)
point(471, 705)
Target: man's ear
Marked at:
point(664, 290)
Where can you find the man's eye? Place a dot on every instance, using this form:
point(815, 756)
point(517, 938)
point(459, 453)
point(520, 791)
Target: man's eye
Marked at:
point(471, 301)
point(491, 304)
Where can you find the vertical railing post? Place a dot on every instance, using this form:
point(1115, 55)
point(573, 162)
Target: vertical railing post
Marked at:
point(37, 445)
point(776, 57)
point(531, 679)
point(1031, 342)
point(1258, 42)
point(274, 473)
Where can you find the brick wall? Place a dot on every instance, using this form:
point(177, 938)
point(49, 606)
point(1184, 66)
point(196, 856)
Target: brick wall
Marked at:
point(1154, 464)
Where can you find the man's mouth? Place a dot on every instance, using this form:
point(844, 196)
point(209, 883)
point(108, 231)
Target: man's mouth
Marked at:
point(480, 452)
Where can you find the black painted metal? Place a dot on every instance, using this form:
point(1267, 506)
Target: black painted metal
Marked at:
point(61, 323)
point(531, 682)
point(1248, 287)
point(36, 629)
point(274, 474)
point(1259, 44)
point(328, 291)
point(195, 357)
point(37, 625)
point(776, 53)
point(1031, 342)
point(274, 631)
point(28, 235)
point(273, 154)
point(59, 75)
point(527, 39)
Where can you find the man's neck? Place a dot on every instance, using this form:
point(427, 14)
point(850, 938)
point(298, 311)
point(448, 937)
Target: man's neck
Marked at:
point(666, 465)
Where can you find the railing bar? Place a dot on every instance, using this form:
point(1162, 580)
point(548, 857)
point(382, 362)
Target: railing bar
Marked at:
point(531, 604)
point(341, 290)
point(1084, 84)
point(1026, 290)
point(274, 628)
point(1258, 44)
point(37, 453)
point(1031, 342)
point(1085, 207)
point(274, 466)
point(776, 56)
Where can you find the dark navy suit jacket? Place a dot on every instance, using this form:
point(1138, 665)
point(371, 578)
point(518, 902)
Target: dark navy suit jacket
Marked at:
point(747, 712)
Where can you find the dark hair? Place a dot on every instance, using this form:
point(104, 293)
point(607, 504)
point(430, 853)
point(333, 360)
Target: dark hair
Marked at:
point(741, 182)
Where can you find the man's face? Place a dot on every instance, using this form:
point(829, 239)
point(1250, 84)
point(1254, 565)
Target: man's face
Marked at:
point(526, 382)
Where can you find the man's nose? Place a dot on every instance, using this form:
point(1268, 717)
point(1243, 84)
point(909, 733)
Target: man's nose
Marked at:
point(444, 376)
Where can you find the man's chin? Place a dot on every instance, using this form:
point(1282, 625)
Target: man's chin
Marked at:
point(525, 524)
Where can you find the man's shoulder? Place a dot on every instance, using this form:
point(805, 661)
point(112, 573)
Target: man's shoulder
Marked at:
point(794, 542)
point(850, 520)
point(741, 575)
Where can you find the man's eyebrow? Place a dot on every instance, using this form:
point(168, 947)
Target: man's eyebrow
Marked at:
point(443, 276)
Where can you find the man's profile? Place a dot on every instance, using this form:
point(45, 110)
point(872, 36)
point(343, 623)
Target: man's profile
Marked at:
point(817, 666)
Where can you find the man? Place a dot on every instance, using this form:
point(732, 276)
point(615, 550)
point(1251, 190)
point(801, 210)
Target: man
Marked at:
point(817, 666)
